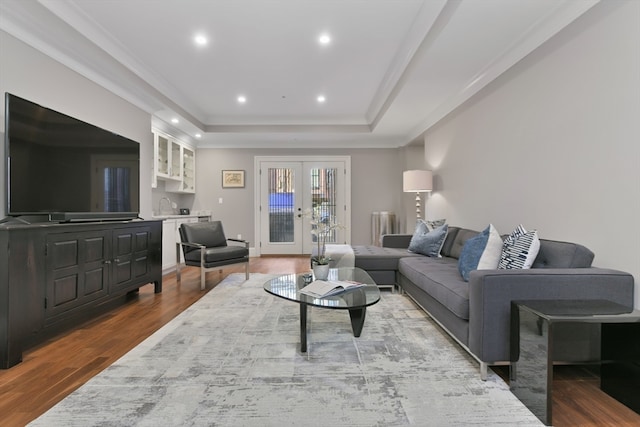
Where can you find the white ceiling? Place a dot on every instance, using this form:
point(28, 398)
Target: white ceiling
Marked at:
point(392, 70)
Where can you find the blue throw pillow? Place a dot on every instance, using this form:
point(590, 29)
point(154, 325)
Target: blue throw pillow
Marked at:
point(424, 225)
point(428, 243)
point(481, 252)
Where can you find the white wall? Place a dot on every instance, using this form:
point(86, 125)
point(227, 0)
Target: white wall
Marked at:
point(376, 185)
point(29, 74)
point(412, 158)
point(554, 143)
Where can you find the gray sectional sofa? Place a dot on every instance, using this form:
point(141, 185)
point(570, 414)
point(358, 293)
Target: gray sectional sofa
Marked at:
point(477, 313)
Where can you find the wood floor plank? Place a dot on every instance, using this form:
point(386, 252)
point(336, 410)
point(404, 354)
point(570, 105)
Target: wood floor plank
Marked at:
point(52, 370)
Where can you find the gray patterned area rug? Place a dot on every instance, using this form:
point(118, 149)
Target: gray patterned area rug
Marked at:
point(233, 359)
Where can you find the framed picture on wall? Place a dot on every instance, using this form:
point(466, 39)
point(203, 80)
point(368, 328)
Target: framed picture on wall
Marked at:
point(233, 179)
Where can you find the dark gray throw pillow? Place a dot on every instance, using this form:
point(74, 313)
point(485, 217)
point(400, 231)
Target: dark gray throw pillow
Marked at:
point(429, 243)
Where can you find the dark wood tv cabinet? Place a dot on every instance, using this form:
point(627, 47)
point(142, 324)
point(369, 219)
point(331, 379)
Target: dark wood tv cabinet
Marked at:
point(54, 276)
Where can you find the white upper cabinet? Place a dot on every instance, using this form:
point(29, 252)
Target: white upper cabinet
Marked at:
point(175, 163)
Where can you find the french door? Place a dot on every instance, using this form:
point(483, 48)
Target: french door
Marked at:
point(292, 191)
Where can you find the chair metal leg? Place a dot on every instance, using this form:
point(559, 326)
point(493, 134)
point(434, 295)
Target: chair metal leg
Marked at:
point(246, 274)
point(202, 269)
point(178, 249)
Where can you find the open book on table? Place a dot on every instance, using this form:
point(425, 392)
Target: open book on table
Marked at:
point(325, 288)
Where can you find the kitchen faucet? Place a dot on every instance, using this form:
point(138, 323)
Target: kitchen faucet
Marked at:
point(160, 205)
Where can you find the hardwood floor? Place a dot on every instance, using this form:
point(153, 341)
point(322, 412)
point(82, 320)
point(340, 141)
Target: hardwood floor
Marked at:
point(52, 370)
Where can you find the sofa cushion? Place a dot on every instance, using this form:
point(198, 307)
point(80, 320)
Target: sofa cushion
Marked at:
point(520, 249)
point(372, 258)
point(481, 252)
point(218, 254)
point(429, 243)
point(439, 277)
point(556, 254)
point(462, 236)
point(452, 232)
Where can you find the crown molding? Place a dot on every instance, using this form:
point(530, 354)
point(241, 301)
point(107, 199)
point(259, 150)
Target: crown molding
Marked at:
point(565, 12)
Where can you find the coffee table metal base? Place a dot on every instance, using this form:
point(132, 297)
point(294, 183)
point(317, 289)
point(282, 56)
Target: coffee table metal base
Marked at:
point(356, 301)
point(357, 316)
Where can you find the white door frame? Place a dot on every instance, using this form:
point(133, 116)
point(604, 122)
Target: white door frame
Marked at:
point(257, 160)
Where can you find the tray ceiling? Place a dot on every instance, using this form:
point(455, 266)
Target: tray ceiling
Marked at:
point(392, 68)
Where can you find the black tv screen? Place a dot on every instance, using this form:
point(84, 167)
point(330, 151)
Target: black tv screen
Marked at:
point(66, 168)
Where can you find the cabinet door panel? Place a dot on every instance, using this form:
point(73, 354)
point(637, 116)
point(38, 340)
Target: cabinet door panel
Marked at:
point(131, 261)
point(123, 244)
point(65, 290)
point(64, 254)
point(140, 266)
point(141, 241)
point(95, 249)
point(169, 239)
point(94, 281)
point(77, 270)
point(122, 272)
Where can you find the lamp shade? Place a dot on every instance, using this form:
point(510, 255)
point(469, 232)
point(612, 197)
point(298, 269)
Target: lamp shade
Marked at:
point(417, 181)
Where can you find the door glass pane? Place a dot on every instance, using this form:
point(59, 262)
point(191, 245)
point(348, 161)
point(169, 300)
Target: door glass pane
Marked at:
point(281, 203)
point(323, 198)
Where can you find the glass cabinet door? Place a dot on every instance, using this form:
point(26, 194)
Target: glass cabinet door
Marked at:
point(176, 167)
point(174, 164)
point(188, 170)
point(162, 161)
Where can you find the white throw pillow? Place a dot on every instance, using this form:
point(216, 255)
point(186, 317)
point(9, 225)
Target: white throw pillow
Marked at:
point(492, 252)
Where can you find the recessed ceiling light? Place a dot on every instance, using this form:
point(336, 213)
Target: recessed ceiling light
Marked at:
point(242, 99)
point(201, 40)
point(324, 39)
point(198, 135)
point(174, 120)
point(321, 98)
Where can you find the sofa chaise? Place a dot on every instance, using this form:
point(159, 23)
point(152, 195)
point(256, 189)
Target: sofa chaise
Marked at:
point(477, 313)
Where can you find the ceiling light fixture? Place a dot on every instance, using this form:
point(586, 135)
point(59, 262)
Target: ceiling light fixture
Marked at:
point(242, 99)
point(321, 98)
point(200, 40)
point(175, 121)
point(198, 135)
point(324, 39)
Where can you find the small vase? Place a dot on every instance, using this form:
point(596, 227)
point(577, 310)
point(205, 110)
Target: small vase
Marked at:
point(321, 272)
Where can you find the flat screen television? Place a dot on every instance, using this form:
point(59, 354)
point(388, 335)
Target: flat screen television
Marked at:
point(67, 169)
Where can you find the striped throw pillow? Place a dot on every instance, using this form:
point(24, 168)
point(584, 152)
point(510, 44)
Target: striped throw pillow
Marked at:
point(520, 249)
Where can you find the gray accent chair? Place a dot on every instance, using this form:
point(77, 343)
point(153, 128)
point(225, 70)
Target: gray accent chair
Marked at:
point(204, 245)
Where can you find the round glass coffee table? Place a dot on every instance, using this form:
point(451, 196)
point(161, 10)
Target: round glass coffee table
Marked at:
point(355, 300)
